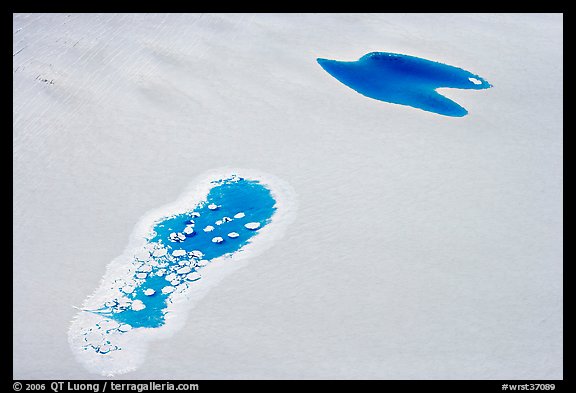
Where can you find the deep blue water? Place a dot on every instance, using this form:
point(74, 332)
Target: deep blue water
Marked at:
point(405, 80)
point(231, 196)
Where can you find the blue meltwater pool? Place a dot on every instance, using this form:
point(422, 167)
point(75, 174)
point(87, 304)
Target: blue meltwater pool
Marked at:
point(405, 80)
point(233, 212)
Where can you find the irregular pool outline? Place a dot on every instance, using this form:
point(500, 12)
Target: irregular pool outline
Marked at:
point(405, 80)
point(122, 348)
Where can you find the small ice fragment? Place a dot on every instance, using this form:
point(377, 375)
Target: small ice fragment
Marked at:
point(160, 252)
point(196, 253)
point(233, 235)
point(475, 81)
point(193, 276)
point(178, 253)
point(170, 277)
point(161, 272)
point(94, 337)
point(219, 222)
point(167, 289)
point(184, 270)
point(194, 215)
point(125, 328)
point(149, 292)
point(252, 225)
point(142, 255)
point(226, 219)
point(138, 305)
point(202, 262)
point(209, 228)
point(141, 275)
point(189, 229)
point(124, 303)
point(105, 348)
point(177, 237)
point(239, 215)
point(108, 324)
point(212, 206)
point(217, 239)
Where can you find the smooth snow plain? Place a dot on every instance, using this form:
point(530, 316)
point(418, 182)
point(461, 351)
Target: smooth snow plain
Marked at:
point(424, 247)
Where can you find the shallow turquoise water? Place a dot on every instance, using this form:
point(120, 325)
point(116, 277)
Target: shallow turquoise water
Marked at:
point(405, 80)
point(230, 204)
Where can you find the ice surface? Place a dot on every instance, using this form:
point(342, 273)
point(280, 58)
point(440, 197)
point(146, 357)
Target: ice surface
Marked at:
point(425, 247)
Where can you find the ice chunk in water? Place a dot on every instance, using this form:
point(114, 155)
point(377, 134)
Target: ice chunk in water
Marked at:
point(138, 305)
point(149, 292)
point(252, 225)
point(168, 289)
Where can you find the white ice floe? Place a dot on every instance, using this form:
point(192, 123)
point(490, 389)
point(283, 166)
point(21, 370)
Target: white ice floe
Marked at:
point(233, 235)
point(161, 272)
point(108, 324)
point(202, 262)
point(226, 219)
point(160, 252)
point(145, 268)
point(141, 275)
point(209, 228)
point(178, 253)
point(142, 255)
point(170, 277)
point(184, 270)
point(252, 225)
point(194, 215)
point(176, 237)
point(193, 276)
point(168, 289)
point(105, 348)
point(94, 337)
point(239, 215)
point(124, 303)
point(149, 292)
point(125, 327)
point(189, 229)
point(217, 239)
point(219, 222)
point(196, 254)
point(475, 81)
point(138, 305)
point(175, 282)
point(128, 289)
point(212, 206)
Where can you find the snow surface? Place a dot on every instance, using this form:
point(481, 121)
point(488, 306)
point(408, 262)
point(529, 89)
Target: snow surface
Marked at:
point(424, 247)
